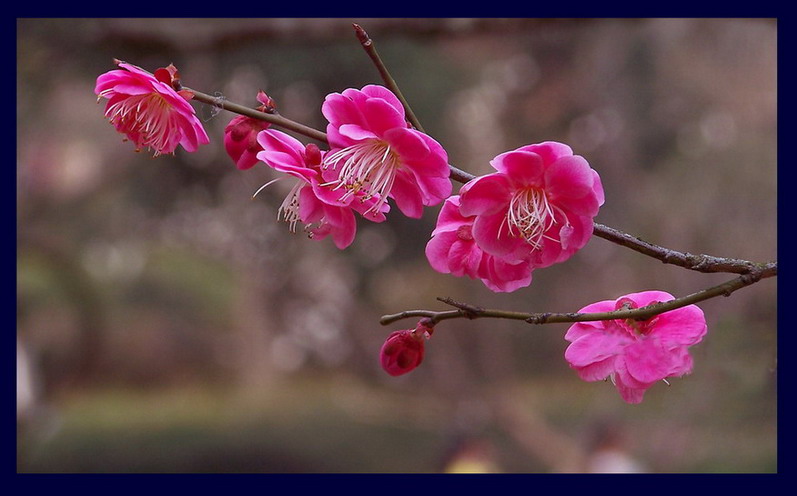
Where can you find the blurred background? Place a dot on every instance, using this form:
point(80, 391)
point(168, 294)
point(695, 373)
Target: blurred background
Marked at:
point(166, 322)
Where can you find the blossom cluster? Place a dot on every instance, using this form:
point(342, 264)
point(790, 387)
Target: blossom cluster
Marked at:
point(535, 210)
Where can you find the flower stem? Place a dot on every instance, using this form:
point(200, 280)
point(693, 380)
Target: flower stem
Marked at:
point(368, 45)
point(700, 263)
point(275, 119)
point(465, 310)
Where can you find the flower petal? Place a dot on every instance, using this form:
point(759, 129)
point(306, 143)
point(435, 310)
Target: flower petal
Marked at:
point(485, 195)
point(377, 91)
point(684, 326)
point(437, 250)
point(550, 151)
point(523, 168)
point(407, 143)
point(355, 132)
point(381, 116)
point(407, 196)
point(595, 347)
point(648, 361)
point(596, 371)
point(569, 177)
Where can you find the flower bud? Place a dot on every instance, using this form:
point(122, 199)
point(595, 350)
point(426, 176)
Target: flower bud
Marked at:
point(403, 350)
point(240, 135)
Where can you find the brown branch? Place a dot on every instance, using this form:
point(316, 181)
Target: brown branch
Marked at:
point(275, 119)
point(368, 45)
point(700, 263)
point(468, 311)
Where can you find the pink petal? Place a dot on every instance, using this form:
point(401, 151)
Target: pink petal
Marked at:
point(407, 196)
point(648, 361)
point(134, 69)
point(273, 140)
point(381, 116)
point(645, 298)
point(434, 163)
point(407, 143)
point(576, 236)
point(569, 177)
point(464, 258)
point(502, 277)
point(595, 347)
point(485, 195)
point(344, 225)
point(550, 151)
point(684, 326)
point(355, 132)
point(597, 371)
point(437, 250)
point(580, 329)
point(310, 208)
point(521, 167)
point(490, 234)
point(629, 394)
point(377, 91)
point(339, 109)
point(597, 188)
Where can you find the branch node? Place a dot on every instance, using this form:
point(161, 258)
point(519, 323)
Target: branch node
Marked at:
point(539, 318)
point(362, 36)
point(468, 311)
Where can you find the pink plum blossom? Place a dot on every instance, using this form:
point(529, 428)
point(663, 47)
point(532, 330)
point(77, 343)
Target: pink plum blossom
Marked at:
point(403, 350)
point(452, 250)
point(538, 207)
point(635, 354)
point(240, 135)
point(288, 155)
point(146, 108)
point(376, 154)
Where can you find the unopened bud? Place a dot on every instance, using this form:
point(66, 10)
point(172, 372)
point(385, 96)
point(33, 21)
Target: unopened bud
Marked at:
point(403, 350)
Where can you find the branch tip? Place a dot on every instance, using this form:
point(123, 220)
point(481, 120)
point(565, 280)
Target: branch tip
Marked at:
point(362, 36)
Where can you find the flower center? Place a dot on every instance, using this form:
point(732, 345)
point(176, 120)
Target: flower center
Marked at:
point(636, 328)
point(465, 232)
point(146, 119)
point(367, 168)
point(530, 216)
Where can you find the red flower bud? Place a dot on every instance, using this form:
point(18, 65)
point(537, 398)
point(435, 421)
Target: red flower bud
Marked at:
point(403, 350)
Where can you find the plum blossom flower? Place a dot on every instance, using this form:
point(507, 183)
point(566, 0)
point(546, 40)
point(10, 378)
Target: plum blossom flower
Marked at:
point(403, 350)
point(148, 110)
point(288, 155)
point(538, 206)
point(240, 135)
point(376, 154)
point(452, 250)
point(635, 354)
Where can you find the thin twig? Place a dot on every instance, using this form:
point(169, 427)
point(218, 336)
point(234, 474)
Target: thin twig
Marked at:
point(370, 49)
point(465, 310)
point(256, 114)
point(368, 45)
point(700, 263)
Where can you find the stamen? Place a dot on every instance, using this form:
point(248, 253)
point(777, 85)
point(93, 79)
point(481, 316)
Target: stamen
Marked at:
point(530, 216)
point(145, 117)
point(289, 209)
point(366, 169)
point(261, 188)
